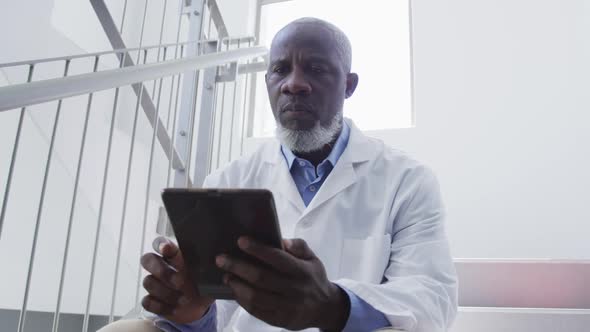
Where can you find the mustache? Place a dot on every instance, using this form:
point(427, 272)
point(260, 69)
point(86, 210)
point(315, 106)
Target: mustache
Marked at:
point(297, 105)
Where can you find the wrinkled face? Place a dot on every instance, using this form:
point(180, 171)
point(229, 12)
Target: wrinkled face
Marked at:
point(305, 80)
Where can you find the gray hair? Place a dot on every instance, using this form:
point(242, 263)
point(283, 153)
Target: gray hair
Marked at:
point(343, 46)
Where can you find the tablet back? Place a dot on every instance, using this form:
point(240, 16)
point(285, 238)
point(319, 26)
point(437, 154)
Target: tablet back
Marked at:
point(208, 222)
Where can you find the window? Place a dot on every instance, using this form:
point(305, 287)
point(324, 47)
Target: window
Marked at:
point(380, 35)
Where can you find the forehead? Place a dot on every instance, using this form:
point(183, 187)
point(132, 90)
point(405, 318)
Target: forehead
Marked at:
point(304, 41)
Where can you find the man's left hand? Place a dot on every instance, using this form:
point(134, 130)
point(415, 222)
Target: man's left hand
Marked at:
point(292, 291)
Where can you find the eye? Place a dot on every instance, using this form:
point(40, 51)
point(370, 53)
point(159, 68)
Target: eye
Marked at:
point(317, 69)
point(279, 69)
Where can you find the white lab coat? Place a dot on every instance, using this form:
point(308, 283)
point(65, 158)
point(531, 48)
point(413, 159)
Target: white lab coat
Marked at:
point(376, 223)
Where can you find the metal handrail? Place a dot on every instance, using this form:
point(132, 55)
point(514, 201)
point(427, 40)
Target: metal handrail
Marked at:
point(22, 95)
point(231, 40)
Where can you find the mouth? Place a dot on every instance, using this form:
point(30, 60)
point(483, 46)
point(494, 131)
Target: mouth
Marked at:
point(297, 115)
point(297, 107)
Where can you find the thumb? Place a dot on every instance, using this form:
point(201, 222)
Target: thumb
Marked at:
point(169, 251)
point(298, 248)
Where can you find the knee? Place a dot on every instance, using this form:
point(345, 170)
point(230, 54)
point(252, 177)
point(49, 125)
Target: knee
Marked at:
point(131, 325)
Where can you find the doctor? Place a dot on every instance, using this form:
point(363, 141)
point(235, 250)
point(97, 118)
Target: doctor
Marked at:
point(369, 247)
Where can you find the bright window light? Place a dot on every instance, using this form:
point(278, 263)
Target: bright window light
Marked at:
point(380, 35)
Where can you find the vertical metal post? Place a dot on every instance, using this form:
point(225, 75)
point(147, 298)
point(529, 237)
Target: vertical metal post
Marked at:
point(178, 28)
point(163, 224)
point(189, 92)
point(147, 189)
point(162, 26)
point(191, 125)
point(170, 97)
point(50, 154)
point(220, 133)
point(209, 155)
point(141, 35)
point(23, 311)
point(233, 110)
point(254, 77)
point(14, 154)
point(43, 189)
point(173, 132)
point(245, 111)
point(206, 121)
point(252, 103)
point(72, 207)
point(125, 197)
point(123, 18)
point(174, 123)
point(159, 44)
point(130, 161)
point(101, 204)
point(174, 118)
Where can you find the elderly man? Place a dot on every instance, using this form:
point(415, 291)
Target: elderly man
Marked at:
point(371, 250)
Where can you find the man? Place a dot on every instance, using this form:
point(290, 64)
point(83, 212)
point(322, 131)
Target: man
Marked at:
point(371, 252)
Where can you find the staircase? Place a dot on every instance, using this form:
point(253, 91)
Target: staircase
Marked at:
point(91, 139)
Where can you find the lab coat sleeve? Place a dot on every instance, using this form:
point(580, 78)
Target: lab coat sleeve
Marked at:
point(419, 287)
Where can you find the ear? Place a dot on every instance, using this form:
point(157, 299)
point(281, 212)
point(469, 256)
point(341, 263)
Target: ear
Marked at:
point(352, 80)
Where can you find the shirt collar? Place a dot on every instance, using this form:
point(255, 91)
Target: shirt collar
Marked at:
point(335, 154)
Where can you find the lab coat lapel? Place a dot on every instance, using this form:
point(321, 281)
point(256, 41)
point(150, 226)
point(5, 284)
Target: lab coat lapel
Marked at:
point(281, 180)
point(344, 173)
point(341, 177)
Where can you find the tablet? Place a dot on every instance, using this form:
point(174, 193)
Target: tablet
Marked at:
point(208, 222)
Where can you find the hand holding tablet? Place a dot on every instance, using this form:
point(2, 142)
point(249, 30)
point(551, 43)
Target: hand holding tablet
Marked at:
point(232, 249)
point(208, 223)
point(170, 292)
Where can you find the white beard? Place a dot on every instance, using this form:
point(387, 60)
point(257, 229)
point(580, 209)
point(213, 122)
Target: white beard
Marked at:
point(310, 140)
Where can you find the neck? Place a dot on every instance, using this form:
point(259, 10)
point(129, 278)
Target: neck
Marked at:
point(316, 157)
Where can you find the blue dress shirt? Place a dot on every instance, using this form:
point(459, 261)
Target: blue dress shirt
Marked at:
point(308, 179)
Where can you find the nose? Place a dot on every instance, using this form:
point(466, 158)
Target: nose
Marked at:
point(296, 84)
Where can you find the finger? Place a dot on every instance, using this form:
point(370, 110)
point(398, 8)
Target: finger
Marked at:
point(158, 242)
point(278, 259)
point(160, 291)
point(169, 251)
point(299, 249)
point(156, 265)
point(156, 306)
point(251, 298)
point(256, 275)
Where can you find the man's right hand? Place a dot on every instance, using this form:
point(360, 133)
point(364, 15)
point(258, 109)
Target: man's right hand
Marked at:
point(170, 292)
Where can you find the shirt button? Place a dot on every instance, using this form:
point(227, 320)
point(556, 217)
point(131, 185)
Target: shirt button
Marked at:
point(312, 188)
point(301, 163)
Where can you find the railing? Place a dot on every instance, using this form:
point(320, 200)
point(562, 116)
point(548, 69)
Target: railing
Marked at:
point(93, 168)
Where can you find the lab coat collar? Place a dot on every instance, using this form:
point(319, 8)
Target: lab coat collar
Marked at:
point(359, 149)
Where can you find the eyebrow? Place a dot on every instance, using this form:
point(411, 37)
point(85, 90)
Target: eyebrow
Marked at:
point(278, 61)
point(318, 58)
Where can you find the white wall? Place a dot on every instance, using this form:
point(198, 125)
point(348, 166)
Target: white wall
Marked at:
point(501, 102)
point(502, 106)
